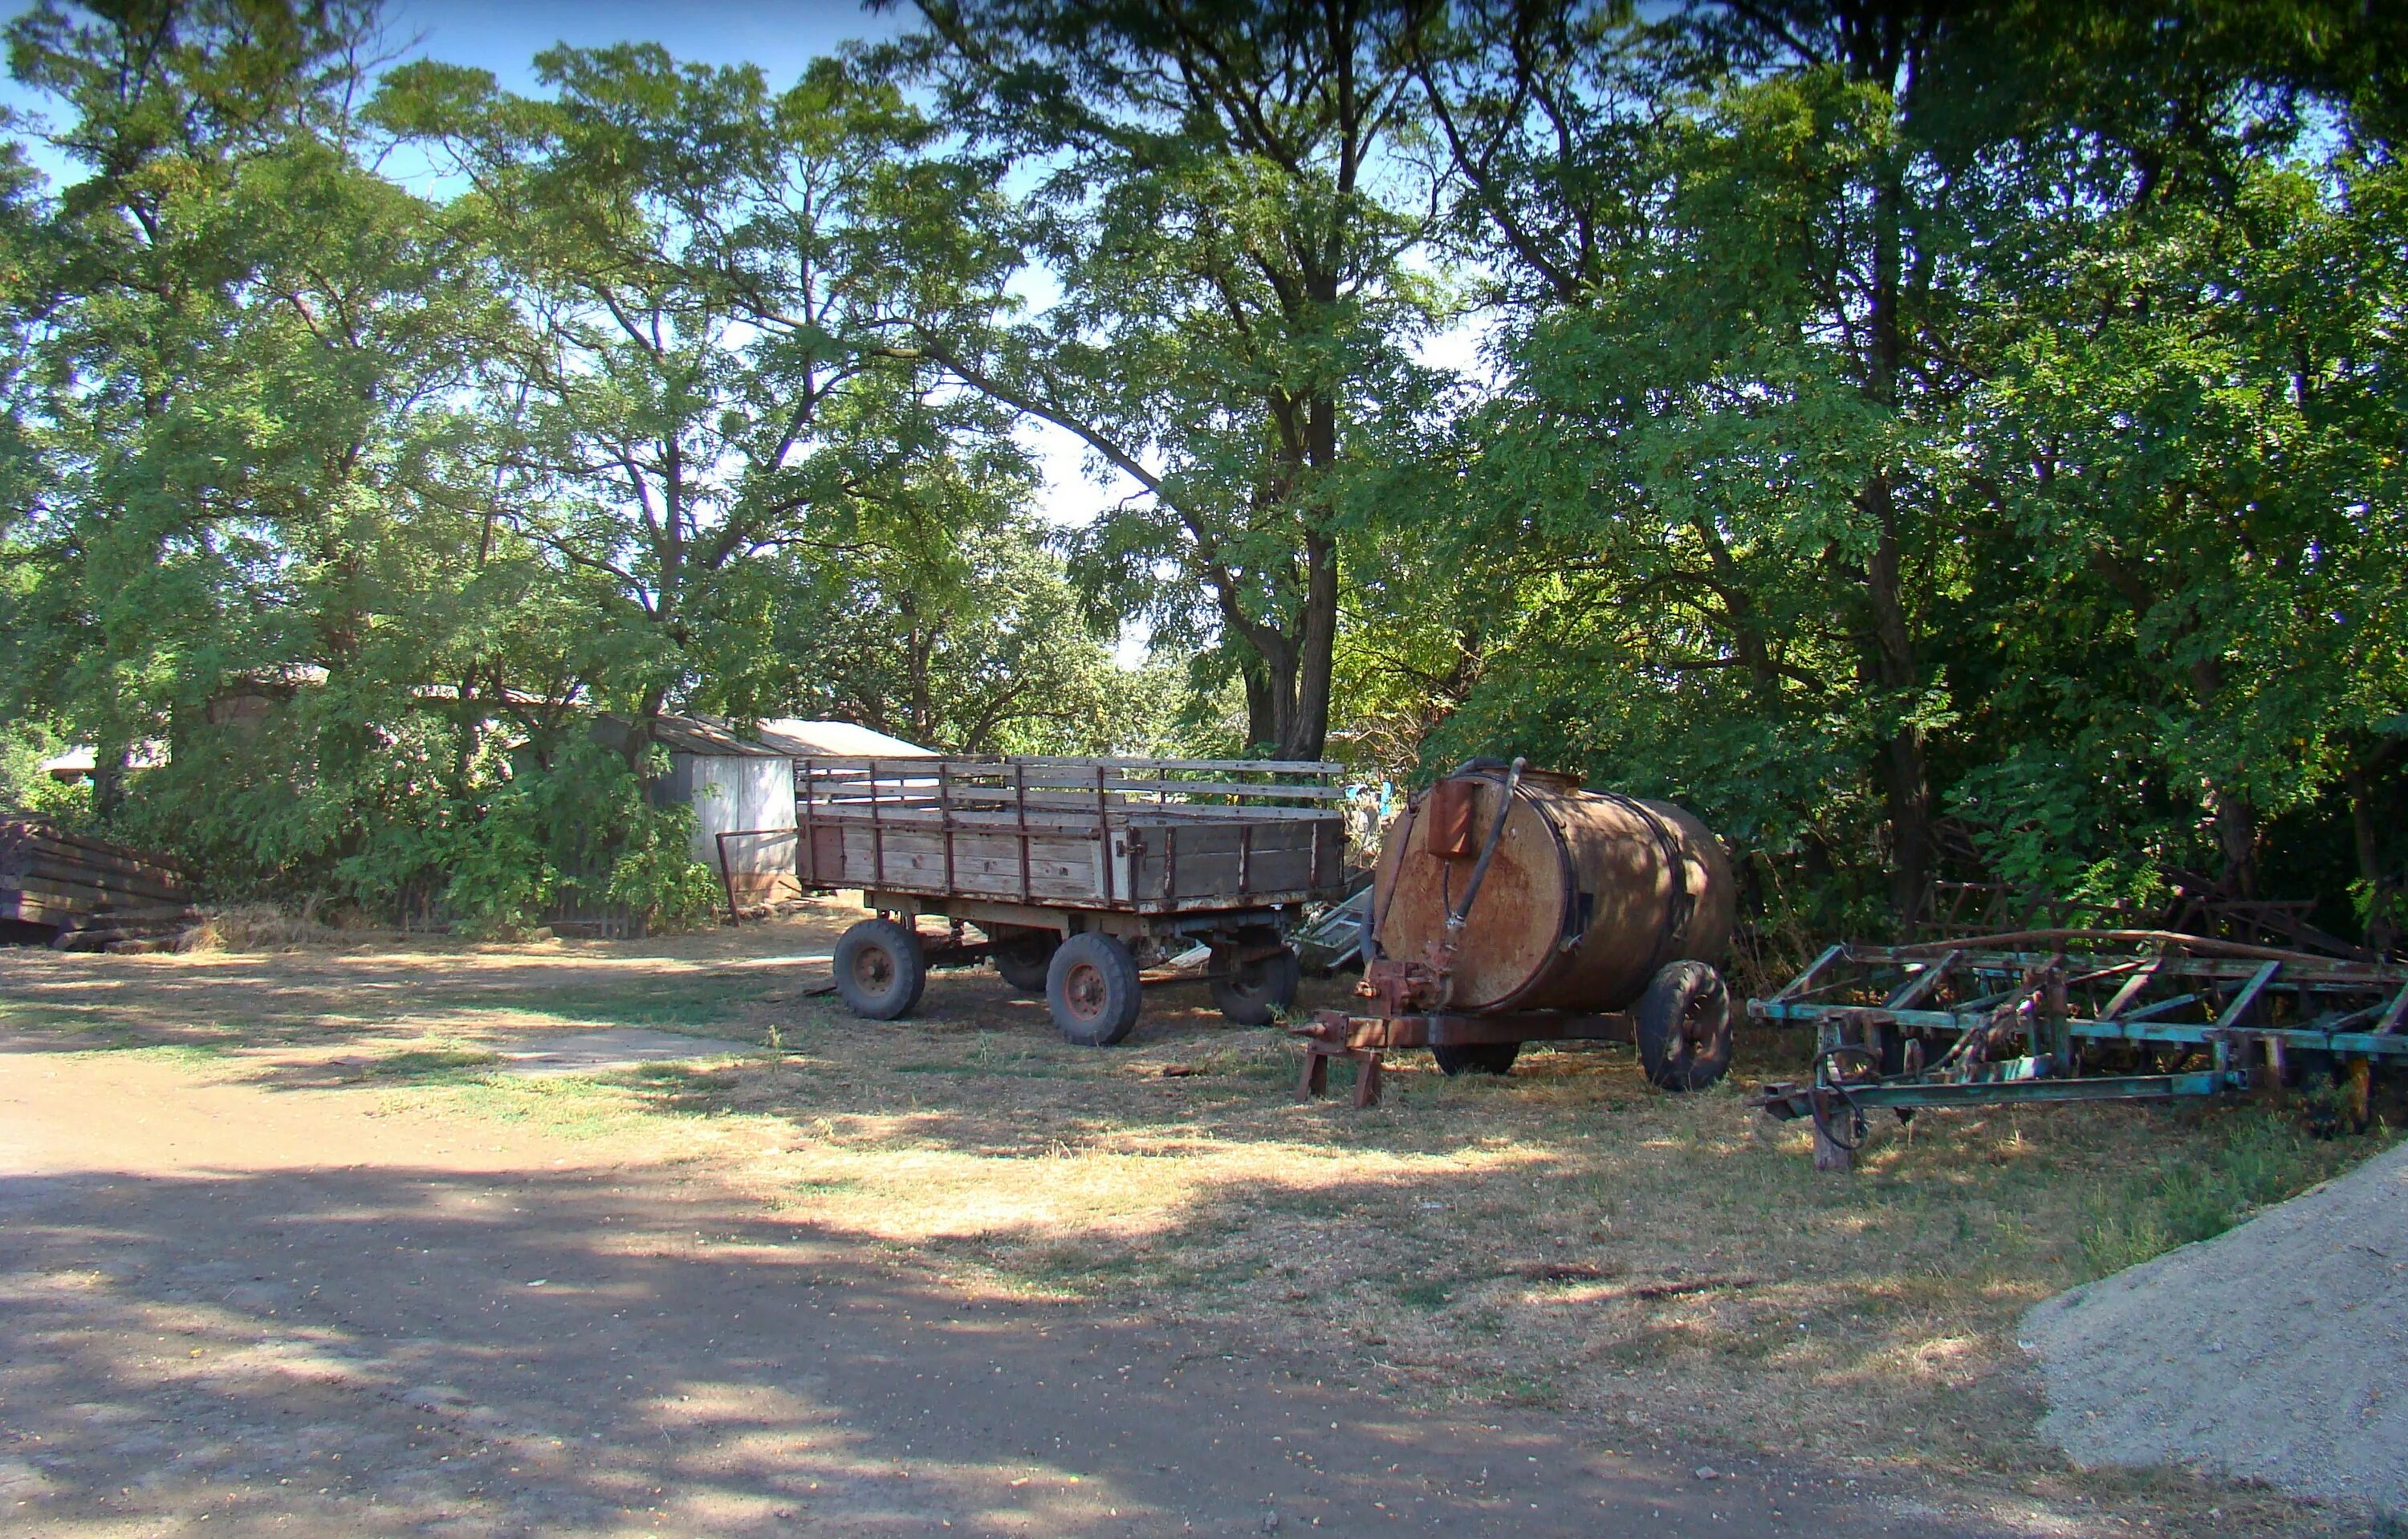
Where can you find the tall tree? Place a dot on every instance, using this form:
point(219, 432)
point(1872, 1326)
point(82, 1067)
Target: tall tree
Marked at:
point(1230, 201)
point(698, 385)
point(248, 342)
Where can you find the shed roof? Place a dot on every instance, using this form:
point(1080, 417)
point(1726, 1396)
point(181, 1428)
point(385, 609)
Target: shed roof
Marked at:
point(784, 739)
point(710, 738)
point(836, 740)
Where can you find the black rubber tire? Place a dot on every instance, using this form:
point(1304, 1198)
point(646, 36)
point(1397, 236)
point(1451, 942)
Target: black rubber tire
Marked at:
point(1253, 993)
point(1684, 1028)
point(1487, 1057)
point(880, 969)
point(1023, 957)
point(1090, 990)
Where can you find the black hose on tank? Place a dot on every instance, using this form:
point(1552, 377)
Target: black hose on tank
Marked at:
point(1487, 850)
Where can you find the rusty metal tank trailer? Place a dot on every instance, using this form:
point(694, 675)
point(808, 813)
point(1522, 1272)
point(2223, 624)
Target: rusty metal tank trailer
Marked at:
point(1511, 905)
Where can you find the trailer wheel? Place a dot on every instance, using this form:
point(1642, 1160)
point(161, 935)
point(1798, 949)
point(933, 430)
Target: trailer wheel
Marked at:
point(1090, 990)
point(1684, 1028)
point(1485, 1057)
point(880, 969)
point(1253, 993)
point(1023, 957)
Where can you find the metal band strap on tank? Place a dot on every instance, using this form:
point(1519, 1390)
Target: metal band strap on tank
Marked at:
point(1372, 910)
point(1676, 914)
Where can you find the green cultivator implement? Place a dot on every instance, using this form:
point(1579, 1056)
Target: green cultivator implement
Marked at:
point(2076, 1015)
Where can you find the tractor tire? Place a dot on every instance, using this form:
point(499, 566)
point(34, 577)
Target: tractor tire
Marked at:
point(1684, 1028)
point(1487, 1057)
point(1022, 956)
point(1253, 993)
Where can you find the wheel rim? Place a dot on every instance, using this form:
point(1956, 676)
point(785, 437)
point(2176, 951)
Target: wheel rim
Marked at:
point(873, 970)
point(1698, 1028)
point(1086, 990)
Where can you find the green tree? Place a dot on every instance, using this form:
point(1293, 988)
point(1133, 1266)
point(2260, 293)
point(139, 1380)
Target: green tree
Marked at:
point(699, 390)
point(985, 651)
point(1790, 295)
point(1230, 201)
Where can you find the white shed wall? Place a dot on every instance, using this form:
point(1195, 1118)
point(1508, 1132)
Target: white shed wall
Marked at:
point(732, 792)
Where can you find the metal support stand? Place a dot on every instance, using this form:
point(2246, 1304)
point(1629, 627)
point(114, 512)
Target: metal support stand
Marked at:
point(1313, 1084)
point(1829, 1155)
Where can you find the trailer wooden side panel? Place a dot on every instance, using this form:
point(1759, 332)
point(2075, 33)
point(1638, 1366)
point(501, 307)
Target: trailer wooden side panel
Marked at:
point(1138, 836)
point(1186, 863)
point(985, 862)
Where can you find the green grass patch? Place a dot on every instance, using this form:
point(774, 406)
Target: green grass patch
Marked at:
point(2265, 1157)
point(430, 1064)
point(1425, 1293)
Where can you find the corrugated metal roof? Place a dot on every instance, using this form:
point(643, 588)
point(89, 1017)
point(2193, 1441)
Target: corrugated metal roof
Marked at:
point(784, 739)
point(836, 740)
point(712, 740)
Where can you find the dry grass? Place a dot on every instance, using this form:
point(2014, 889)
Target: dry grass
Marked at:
point(255, 928)
point(1566, 1237)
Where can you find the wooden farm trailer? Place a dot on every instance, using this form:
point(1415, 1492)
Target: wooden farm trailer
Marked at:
point(1079, 871)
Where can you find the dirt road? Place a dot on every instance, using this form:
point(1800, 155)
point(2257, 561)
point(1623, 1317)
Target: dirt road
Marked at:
point(249, 1305)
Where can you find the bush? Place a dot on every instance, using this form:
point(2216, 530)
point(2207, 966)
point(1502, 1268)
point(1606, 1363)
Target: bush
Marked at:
point(412, 823)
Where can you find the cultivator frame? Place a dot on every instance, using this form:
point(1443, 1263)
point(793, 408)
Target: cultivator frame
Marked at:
point(2045, 1016)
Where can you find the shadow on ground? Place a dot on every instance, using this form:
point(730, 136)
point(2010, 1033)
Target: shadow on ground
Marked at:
point(416, 1350)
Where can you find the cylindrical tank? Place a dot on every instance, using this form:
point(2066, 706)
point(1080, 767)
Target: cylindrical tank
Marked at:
point(1588, 895)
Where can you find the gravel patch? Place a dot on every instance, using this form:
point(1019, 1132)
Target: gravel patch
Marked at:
point(2275, 1352)
point(543, 1055)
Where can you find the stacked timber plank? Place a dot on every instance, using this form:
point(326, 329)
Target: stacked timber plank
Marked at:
point(92, 895)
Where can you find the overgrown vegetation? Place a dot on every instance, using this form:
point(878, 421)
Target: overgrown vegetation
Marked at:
point(1951, 439)
point(2262, 1158)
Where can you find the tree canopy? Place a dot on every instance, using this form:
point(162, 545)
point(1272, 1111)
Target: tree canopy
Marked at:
point(1934, 441)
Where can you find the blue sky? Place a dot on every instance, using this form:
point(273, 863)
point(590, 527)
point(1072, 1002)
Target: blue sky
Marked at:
point(503, 35)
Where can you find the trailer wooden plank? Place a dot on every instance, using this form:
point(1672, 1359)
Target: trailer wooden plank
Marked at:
point(78, 846)
point(1061, 793)
point(94, 889)
point(1283, 766)
point(1135, 814)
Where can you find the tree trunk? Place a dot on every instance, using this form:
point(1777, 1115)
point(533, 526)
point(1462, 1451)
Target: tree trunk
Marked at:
point(2236, 820)
point(1305, 735)
point(108, 780)
point(1261, 724)
point(1906, 789)
point(1905, 782)
point(639, 732)
point(2382, 926)
point(1288, 683)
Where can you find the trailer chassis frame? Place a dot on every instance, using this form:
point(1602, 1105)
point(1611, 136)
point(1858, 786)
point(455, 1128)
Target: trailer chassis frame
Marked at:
point(1366, 1040)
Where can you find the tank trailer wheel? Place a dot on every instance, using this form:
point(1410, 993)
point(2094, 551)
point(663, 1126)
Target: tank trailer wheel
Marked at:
point(880, 969)
point(1684, 1028)
point(1022, 956)
point(1486, 1058)
point(1090, 990)
point(1253, 993)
